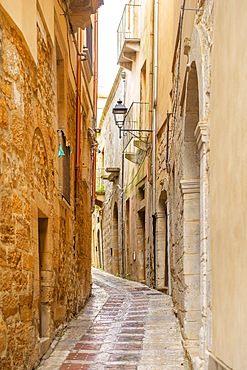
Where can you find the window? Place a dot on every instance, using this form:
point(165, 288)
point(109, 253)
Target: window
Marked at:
point(64, 146)
point(66, 169)
point(89, 36)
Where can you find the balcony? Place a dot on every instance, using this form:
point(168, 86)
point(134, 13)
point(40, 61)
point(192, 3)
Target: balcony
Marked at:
point(81, 10)
point(100, 188)
point(128, 36)
point(137, 118)
point(110, 174)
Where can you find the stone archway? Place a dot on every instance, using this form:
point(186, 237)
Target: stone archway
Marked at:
point(199, 59)
point(190, 186)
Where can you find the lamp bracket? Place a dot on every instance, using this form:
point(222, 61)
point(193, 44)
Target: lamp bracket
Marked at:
point(135, 130)
point(195, 9)
point(132, 131)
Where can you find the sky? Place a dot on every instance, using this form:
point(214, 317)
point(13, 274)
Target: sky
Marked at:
point(109, 17)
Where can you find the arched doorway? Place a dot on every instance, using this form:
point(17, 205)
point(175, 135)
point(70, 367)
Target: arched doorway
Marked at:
point(190, 186)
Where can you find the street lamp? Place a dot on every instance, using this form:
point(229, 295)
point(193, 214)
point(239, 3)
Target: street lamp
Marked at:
point(119, 113)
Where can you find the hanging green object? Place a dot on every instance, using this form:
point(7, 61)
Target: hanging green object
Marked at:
point(60, 151)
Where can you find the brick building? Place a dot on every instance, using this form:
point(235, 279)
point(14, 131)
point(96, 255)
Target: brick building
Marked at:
point(47, 118)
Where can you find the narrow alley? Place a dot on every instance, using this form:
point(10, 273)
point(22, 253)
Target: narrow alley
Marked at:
point(124, 325)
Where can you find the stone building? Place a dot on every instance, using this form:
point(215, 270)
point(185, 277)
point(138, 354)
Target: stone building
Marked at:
point(180, 215)
point(127, 165)
point(182, 196)
point(227, 168)
point(107, 234)
point(47, 118)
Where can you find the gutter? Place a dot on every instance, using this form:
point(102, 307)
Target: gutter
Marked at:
point(154, 128)
point(95, 99)
point(78, 116)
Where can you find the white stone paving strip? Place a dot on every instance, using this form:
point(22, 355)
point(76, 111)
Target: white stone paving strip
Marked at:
point(124, 325)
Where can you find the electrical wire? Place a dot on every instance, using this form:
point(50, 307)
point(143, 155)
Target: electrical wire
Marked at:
point(70, 58)
point(69, 26)
point(176, 92)
point(68, 42)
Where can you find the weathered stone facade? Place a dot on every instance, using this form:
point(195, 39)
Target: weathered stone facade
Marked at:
point(45, 237)
point(195, 196)
point(165, 211)
point(182, 179)
point(107, 229)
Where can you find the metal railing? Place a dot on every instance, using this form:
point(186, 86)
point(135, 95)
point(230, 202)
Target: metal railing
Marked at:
point(129, 26)
point(136, 119)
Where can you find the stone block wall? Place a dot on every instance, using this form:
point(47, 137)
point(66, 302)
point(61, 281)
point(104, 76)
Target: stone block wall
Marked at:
point(185, 180)
point(44, 250)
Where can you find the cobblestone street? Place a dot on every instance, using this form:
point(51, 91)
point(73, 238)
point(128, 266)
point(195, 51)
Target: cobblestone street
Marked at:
point(125, 325)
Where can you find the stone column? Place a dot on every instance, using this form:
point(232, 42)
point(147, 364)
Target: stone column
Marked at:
point(201, 134)
point(160, 250)
point(191, 263)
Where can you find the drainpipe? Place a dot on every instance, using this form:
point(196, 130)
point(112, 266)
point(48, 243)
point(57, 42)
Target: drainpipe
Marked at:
point(168, 248)
point(122, 218)
point(155, 80)
point(124, 257)
point(78, 116)
point(95, 89)
point(95, 98)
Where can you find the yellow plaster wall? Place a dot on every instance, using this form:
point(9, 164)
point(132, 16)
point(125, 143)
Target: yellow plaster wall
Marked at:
point(23, 13)
point(47, 10)
point(228, 183)
point(168, 21)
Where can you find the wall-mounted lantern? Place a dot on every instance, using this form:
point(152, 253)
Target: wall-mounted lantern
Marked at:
point(119, 113)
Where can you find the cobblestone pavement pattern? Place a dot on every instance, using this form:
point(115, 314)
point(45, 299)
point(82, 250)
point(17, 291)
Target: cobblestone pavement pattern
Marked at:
point(124, 325)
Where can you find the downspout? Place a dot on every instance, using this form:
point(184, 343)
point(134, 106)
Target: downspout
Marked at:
point(168, 249)
point(155, 80)
point(95, 71)
point(78, 116)
point(123, 75)
point(95, 98)
point(122, 218)
point(102, 241)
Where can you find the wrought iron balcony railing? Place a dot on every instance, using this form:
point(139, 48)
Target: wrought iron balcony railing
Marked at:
point(136, 122)
point(128, 35)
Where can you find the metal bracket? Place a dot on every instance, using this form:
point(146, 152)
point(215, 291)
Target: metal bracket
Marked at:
point(195, 9)
point(83, 56)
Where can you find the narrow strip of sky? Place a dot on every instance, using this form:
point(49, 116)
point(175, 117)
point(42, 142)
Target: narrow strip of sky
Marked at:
point(109, 17)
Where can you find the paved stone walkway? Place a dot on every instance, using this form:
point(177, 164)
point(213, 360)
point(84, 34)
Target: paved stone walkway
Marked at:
point(125, 325)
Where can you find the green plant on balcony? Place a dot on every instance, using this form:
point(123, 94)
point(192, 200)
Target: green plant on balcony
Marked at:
point(100, 189)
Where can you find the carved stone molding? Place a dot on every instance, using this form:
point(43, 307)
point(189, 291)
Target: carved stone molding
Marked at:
point(201, 133)
point(190, 186)
point(160, 215)
point(187, 45)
